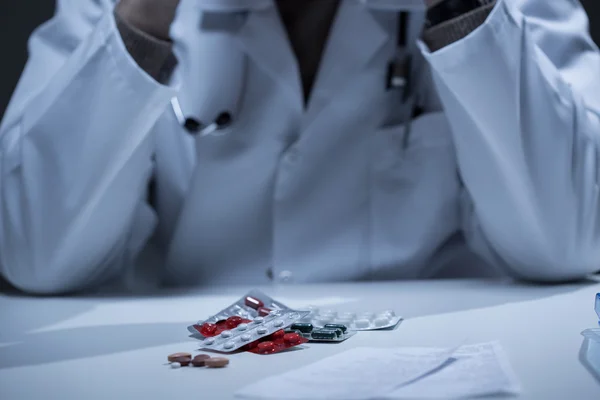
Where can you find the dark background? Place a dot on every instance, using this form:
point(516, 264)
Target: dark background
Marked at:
point(19, 17)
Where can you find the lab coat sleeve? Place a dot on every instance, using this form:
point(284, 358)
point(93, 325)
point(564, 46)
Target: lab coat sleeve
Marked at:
point(521, 93)
point(75, 154)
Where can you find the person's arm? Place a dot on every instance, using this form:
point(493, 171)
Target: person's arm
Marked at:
point(75, 152)
point(521, 95)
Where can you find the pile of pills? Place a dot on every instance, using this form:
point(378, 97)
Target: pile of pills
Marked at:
point(178, 360)
point(355, 322)
point(251, 318)
point(230, 340)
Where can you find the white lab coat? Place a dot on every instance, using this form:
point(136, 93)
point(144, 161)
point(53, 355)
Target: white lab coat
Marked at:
point(323, 194)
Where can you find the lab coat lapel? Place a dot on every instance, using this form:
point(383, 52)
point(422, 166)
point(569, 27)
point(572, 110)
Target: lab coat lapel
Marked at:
point(265, 40)
point(355, 38)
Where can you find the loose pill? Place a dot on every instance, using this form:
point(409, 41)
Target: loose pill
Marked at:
point(264, 311)
point(262, 330)
point(183, 361)
point(362, 323)
point(173, 357)
point(266, 347)
point(226, 334)
point(208, 329)
point(302, 327)
point(253, 302)
point(342, 328)
point(175, 365)
point(233, 321)
point(245, 337)
point(228, 345)
point(292, 338)
point(216, 362)
point(200, 360)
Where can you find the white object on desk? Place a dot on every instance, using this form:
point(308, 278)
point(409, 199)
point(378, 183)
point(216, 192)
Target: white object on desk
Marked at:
point(395, 373)
point(590, 351)
point(357, 374)
point(477, 370)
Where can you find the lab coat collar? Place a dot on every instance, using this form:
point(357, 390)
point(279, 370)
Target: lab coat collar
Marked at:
point(356, 37)
point(264, 39)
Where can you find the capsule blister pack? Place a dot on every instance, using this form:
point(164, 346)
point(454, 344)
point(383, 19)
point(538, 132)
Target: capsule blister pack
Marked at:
point(327, 333)
point(277, 342)
point(251, 318)
point(367, 321)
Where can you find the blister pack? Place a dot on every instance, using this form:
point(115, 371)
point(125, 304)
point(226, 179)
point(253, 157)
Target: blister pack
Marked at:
point(253, 317)
point(354, 322)
point(276, 342)
point(327, 333)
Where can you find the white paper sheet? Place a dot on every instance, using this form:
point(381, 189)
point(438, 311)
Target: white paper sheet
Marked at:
point(475, 370)
point(356, 374)
point(395, 373)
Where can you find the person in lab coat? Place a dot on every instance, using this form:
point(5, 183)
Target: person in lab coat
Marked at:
point(256, 141)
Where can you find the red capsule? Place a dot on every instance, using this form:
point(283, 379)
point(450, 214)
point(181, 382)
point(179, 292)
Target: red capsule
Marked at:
point(208, 330)
point(233, 321)
point(252, 345)
point(221, 325)
point(264, 311)
point(253, 302)
point(280, 334)
point(292, 338)
point(266, 347)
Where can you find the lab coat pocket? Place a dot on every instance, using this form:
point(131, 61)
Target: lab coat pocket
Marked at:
point(414, 194)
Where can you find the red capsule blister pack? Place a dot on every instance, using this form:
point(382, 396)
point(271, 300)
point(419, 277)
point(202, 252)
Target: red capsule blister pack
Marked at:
point(208, 329)
point(251, 318)
point(254, 304)
point(276, 342)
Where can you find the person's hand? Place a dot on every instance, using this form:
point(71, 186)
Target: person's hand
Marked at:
point(153, 17)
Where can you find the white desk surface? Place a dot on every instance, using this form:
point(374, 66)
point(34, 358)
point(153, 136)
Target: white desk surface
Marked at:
point(111, 347)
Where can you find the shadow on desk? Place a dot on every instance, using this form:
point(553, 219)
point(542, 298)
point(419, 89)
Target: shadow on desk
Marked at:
point(78, 343)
